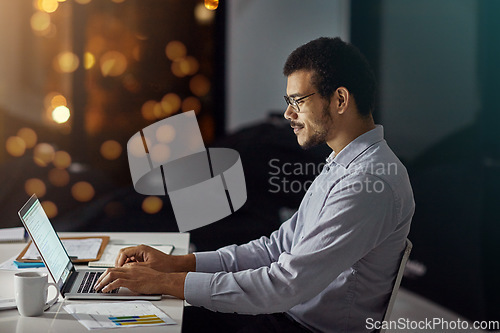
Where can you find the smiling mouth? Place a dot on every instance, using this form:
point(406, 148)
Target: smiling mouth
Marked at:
point(296, 128)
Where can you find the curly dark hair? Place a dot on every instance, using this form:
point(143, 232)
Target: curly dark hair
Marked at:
point(336, 64)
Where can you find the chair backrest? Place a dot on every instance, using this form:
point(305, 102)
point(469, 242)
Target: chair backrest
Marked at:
point(399, 276)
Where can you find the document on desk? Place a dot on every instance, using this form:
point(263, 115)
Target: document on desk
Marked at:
point(118, 314)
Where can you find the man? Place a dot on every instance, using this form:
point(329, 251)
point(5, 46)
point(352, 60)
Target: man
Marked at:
point(332, 265)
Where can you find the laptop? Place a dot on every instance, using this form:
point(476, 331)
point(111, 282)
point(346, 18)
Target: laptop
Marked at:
point(72, 284)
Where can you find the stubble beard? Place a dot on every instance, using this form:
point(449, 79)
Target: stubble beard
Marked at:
point(320, 132)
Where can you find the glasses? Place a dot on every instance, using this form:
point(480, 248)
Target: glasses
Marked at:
point(295, 102)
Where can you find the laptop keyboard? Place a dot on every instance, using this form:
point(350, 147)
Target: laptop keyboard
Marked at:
point(88, 282)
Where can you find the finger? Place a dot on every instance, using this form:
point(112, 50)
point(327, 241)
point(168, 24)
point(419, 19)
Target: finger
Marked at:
point(135, 263)
point(126, 253)
point(103, 275)
point(120, 282)
point(109, 276)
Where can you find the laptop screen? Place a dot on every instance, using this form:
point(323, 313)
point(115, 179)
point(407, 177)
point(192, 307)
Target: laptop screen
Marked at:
point(45, 238)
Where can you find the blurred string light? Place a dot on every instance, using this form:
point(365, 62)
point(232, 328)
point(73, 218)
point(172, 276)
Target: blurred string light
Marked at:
point(82, 191)
point(170, 103)
point(203, 15)
point(48, 6)
point(113, 63)
point(15, 146)
point(88, 60)
point(43, 154)
point(50, 208)
point(211, 4)
point(175, 50)
point(66, 62)
point(191, 103)
point(29, 136)
point(36, 186)
point(111, 149)
point(148, 110)
point(62, 160)
point(152, 205)
point(58, 177)
point(61, 114)
point(199, 85)
point(40, 22)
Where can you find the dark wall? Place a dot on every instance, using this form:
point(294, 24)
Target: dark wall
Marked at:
point(438, 73)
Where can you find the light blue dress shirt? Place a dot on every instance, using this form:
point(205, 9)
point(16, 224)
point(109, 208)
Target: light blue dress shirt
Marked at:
point(332, 265)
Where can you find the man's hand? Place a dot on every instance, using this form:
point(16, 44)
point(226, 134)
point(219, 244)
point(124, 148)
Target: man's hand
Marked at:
point(141, 279)
point(147, 256)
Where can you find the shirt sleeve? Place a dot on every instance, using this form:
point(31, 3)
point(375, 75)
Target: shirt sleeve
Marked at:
point(352, 221)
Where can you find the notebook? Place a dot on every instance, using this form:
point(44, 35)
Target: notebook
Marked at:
point(72, 284)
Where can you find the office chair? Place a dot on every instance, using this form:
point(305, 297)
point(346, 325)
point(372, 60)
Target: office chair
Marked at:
point(399, 276)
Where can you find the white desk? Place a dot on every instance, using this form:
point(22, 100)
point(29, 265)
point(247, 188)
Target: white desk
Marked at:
point(56, 320)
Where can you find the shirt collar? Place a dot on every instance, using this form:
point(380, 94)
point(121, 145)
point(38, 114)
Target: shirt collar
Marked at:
point(356, 147)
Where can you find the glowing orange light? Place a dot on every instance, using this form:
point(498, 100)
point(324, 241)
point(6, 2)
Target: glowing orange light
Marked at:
point(202, 15)
point(61, 114)
point(199, 85)
point(175, 50)
point(50, 208)
point(152, 205)
point(15, 146)
point(36, 186)
point(62, 159)
point(59, 177)
point(170, 103)
point(48, 6)
point(148, 110)
point(82, 191)
point(83, 2)
point(191, 103)
point(66, 62)
point(192, 65)
point(113, 63)
point(58, 100)
point(178, 68)
point(111, 149)
point(88, 60)
point(29, 136)
point(43, 154)
point(40, 21)
point(211, 4)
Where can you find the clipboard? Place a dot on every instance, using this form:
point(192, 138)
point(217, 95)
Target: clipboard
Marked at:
point(105, 241)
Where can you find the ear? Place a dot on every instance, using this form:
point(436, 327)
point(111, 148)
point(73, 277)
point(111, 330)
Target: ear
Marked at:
point(342, 99)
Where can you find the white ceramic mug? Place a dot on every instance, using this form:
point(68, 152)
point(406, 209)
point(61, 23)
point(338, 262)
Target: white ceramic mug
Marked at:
point(31, 289)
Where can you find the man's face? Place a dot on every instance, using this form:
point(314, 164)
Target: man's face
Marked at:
point(314, 122)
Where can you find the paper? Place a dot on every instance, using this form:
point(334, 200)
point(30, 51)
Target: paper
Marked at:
point(118, 314)
point(8, 265)
point(111, 252)
point(8, 235)
point(86, 248)
point(7, 303)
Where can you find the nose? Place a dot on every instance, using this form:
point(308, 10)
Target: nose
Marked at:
point(290, 113)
